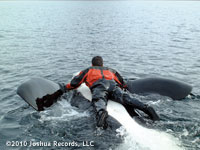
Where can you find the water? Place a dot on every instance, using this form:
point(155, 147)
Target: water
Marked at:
point(56, 39)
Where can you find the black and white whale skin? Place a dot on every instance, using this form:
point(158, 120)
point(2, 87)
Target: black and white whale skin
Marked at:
point(119, 115)
point(174, 89)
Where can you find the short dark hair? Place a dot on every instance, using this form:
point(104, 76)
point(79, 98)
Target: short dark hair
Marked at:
point(97, 61)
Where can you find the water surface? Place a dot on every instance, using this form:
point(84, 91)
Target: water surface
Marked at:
point(55, 39)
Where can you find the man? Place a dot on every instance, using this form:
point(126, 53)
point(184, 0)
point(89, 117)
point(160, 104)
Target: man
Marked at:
point(106, 83)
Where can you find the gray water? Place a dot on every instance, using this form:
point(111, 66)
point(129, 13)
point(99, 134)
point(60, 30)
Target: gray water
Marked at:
point(56, 39)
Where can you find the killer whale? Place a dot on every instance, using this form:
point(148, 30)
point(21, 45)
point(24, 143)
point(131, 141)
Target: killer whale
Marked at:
point(39, 87)
point(118, 115)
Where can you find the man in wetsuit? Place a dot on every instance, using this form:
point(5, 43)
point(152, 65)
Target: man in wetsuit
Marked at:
point(105, 83)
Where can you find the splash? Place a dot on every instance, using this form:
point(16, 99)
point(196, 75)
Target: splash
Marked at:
point(62, 111)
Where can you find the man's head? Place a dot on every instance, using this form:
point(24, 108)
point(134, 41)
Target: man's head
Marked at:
point(97, 61)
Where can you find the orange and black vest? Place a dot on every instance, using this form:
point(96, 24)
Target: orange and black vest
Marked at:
point(93, 74)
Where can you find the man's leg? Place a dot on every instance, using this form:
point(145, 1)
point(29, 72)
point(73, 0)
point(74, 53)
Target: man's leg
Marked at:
point(139, 105)
point(99, 99)
point(125, 98)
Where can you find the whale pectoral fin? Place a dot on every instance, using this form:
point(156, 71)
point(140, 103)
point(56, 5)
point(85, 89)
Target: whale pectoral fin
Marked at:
point(39, 92)
point(174, 89)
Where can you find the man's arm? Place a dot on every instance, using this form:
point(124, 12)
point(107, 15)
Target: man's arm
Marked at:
point(49, 99)
point(77, 80)
point(119, 79)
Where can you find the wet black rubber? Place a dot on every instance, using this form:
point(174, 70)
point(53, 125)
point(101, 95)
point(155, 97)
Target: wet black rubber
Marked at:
point(101, 119)
point(152, 114)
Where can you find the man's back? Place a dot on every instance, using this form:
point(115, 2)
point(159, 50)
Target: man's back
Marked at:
point(93, 74)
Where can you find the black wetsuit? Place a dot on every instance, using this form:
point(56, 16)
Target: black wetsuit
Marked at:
point(102, 90)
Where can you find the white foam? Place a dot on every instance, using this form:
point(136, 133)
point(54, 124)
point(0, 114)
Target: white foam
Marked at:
point(62, 111)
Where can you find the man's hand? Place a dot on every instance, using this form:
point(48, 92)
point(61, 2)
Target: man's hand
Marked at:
point(125, 87)
point(63, 87)
point(48, 100)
